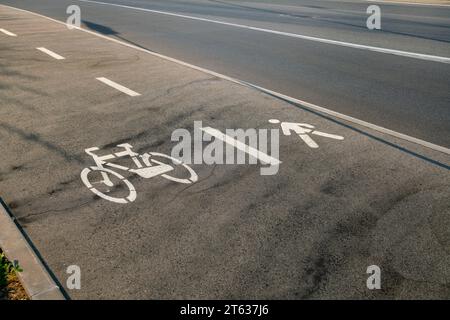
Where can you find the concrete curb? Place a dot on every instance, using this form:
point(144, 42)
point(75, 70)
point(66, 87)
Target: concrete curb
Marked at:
point(35, 278)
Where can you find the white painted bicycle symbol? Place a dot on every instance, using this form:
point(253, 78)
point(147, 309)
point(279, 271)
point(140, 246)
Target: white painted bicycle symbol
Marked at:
point(148, 168)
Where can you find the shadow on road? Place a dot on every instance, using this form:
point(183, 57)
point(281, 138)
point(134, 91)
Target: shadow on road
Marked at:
point(107, 31)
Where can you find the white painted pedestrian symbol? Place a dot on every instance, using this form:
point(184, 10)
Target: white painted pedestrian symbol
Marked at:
point(147, 167)
point(303, 130)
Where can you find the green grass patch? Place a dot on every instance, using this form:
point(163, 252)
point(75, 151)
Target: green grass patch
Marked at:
point(10, 286)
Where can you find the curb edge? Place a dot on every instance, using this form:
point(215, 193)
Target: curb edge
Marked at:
point(35, 278)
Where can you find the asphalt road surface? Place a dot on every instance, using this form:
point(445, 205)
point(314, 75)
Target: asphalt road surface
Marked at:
point(410, 96)
point(359, 197)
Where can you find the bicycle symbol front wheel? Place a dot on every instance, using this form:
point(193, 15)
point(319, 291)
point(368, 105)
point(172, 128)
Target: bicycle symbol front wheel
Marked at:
point(192, 175)
point(85, 178)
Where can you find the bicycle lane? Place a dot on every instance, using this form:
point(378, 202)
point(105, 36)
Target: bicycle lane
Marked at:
point(308, 231)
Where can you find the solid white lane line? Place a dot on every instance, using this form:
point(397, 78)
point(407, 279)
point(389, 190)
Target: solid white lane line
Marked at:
point(51, 53)
point(353, 120)
point(410, 3)
point(270, 92)
point(265, 158)
point(8, 33)
point(288, 34)
point(118, 87)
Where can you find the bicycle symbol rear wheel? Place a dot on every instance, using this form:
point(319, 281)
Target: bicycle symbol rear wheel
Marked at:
point(132, 192)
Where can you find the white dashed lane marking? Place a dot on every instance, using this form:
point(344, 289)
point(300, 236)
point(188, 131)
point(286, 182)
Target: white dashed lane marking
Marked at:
point(51, 53)
point(118, 87)
point(279, 95)
point(8, 33)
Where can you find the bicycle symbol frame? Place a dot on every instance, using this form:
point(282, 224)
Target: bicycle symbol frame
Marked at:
point(148, 168)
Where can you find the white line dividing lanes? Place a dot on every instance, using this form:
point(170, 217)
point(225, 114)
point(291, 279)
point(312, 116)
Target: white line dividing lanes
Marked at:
point(118, 87)
point(410, 3)
point(279, 95)
point(8, 33)
point(51, 53)
point(408, 54)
